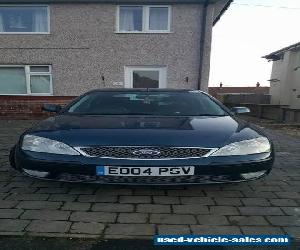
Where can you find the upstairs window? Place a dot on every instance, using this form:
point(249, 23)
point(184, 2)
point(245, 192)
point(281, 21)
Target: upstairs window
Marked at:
point(148, 19)
point(24, 19)
point(131, 18)
point(158, 18)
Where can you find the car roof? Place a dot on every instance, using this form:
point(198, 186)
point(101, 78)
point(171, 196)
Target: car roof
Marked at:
point(140, 90)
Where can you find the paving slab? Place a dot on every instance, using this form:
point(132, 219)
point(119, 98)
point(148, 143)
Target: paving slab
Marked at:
point(36, 207)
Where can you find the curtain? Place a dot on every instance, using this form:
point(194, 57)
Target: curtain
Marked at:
point(40, 84)
point(40, 22)
point(131, 18)
point(1, 23)
point(158, 18)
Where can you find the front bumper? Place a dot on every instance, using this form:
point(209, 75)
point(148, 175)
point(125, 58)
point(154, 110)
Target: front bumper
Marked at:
point(83, 169)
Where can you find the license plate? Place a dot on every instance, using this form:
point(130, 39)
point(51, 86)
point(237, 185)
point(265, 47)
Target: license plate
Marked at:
point(145, 171)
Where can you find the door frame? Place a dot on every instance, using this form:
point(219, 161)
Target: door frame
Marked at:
point(128, 74)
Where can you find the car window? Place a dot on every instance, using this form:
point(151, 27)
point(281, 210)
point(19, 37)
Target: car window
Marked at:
point(147, 103)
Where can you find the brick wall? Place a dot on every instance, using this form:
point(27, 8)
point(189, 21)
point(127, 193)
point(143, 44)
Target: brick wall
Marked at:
point(28, 107)
point(215, 91)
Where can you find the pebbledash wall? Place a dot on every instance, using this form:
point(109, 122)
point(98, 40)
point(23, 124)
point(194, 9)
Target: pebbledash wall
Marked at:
point(83, 46)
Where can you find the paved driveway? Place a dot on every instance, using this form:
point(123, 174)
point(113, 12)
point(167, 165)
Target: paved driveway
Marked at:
point(33, 207)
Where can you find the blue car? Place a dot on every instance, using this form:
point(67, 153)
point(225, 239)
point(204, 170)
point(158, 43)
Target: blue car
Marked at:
point(145, 137)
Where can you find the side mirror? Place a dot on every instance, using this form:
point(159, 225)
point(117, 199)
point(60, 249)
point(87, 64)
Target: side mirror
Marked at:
point(240, 110)
point(51, 108)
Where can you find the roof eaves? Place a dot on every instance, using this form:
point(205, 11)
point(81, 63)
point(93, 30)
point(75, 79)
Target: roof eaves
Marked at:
point(276, 55)
point(222, 11)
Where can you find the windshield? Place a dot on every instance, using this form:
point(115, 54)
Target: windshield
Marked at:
point(147, 103)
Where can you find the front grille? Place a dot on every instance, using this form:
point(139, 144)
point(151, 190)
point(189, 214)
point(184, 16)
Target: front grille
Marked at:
point(144, 152)
point(147, 180)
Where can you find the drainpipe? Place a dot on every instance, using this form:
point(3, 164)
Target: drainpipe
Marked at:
point(202, 41)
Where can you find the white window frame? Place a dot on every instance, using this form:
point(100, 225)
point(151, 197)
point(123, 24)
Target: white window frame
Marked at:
point(28, 33)
point(28, 75)
point(146, 19)
point(128, 74)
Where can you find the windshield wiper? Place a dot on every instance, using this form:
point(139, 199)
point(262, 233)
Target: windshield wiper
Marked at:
point(148, 114)
point(212, 115)
point(111, 113)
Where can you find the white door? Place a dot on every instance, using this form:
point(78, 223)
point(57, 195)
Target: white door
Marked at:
point(145, 77)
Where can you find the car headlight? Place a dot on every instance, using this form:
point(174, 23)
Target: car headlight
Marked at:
point(246, 147)
point(45, 145)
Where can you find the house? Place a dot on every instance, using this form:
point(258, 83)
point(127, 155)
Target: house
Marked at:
point(53, 50)
point(285, 77)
